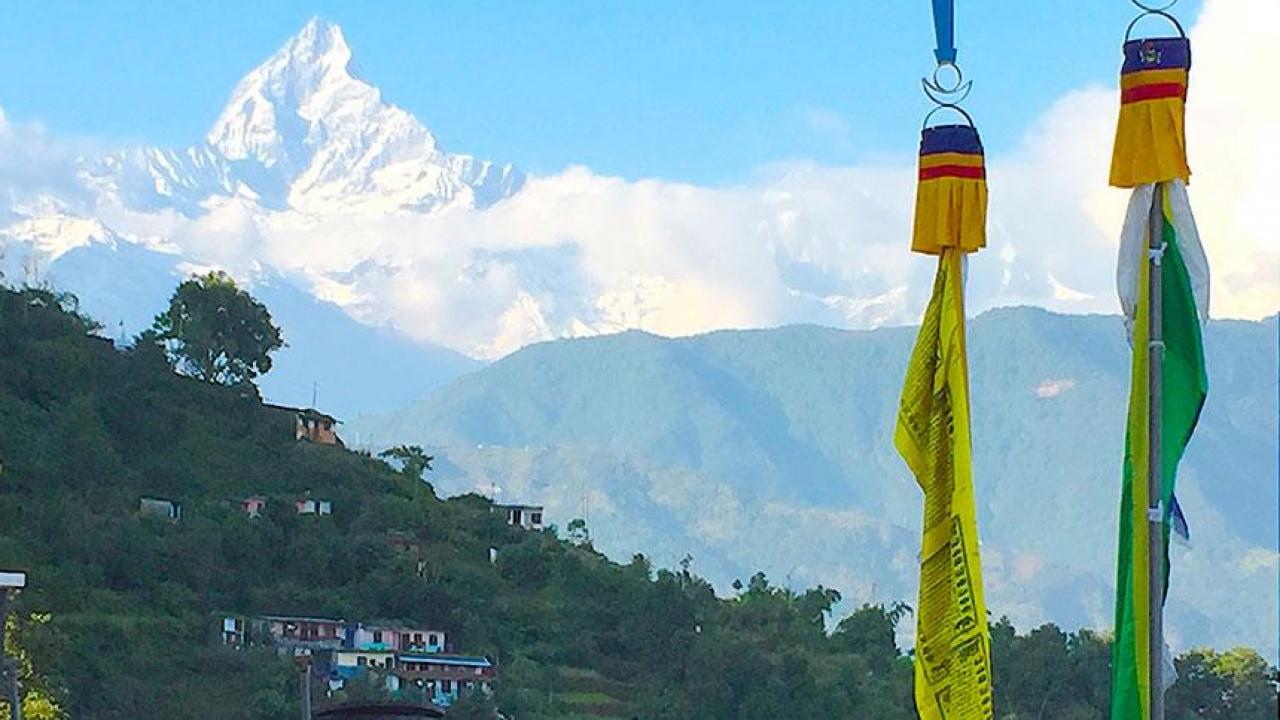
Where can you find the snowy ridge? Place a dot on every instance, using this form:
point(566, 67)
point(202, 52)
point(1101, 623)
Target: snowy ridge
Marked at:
point(301, 133)
point(308, 173)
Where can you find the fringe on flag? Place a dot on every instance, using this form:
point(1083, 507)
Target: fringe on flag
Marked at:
point(951, 195)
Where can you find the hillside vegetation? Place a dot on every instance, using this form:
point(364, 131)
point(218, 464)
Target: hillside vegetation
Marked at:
point(722, 445)
point(119, 620)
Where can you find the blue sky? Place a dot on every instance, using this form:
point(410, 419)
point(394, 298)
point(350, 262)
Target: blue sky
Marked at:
point(703, 91)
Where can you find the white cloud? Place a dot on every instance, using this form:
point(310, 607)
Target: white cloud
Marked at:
point(578, 253)
point(1053, 388)
point(36, 166)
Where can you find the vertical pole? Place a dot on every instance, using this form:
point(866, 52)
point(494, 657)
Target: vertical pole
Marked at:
point(1155, 471)
point(304, 684)
point(8, 668)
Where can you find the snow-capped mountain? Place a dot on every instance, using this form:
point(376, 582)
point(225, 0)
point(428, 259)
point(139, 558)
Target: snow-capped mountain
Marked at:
point(300, 142)
point(309, 176)
point(301, 132)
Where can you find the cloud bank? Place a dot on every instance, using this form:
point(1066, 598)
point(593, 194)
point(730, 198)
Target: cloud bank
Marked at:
point(579, 253)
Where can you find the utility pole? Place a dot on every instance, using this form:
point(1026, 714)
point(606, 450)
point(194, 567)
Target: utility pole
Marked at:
point(302, 660)
point(10, 582)
point(1155, 472)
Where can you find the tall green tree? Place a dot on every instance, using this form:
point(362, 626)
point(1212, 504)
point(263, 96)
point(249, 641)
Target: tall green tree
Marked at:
point(216, 332)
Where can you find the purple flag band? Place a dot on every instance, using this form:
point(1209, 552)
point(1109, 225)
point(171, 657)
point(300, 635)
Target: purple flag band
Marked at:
point(950, 139)
point(1172, 53)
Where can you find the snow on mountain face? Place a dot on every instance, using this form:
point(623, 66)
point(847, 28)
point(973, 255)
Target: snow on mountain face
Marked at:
point(310, 174)
point(301, 133)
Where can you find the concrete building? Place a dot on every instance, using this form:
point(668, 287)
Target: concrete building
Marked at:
point(528, 517)
point(311, 506)
point(388, 636)
point(308, 424)
point(444, 678)
point(158, 508)
point(253, 506)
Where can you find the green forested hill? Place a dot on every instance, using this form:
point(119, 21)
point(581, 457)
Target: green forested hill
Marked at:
point(119, 617)
point(772, 449)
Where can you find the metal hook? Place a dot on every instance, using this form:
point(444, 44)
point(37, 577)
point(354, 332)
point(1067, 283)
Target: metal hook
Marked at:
point(1147, 10)
point(947, 96)
point(946, 106)
point(930, 90)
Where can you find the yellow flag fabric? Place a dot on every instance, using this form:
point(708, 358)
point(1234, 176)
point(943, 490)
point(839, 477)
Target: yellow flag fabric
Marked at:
point(1151, 134)
point(953, 643)
point(951, 195)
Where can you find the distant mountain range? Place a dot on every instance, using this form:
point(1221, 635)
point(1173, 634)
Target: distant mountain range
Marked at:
point(310, 178)
point(300, 139)
point(771, 450)
point(747, 449)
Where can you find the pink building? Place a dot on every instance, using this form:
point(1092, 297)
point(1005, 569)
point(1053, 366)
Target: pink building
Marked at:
point(397, 637)
point(253, 506)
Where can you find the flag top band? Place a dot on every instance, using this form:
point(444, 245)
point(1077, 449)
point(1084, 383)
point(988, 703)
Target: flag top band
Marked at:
point(951, 194)
point(1156, 54)
point(1151, 143)
point(950, 138)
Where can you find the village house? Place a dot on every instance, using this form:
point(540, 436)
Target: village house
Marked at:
point(253, 506)
point(446, 677)
point(395, 637)
point(401, 541)
point(233, 631)
point(404, 542)
point(158, 508)
point(439, 679)
point(411, 661)
point(311, 506)
point(351, 663)
point(308, 424)
point(528, 517)
point(290, 632)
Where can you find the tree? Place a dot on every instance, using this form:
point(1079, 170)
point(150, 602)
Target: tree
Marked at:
point(39, 702)
point(413, 460)
point(578, 532)
point(1234, 685)
point(216, 332)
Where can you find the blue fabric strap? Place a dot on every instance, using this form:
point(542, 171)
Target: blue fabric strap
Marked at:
point(944, 29)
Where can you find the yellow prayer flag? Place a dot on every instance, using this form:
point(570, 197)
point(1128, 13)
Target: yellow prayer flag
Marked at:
point(953, 644)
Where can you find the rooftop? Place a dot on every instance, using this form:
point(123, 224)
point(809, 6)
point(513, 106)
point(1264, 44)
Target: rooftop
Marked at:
point(456, 660)
point(305, 412)
point(301, 618)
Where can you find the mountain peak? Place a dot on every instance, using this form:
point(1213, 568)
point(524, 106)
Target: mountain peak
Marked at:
point(320, 42)
point(275, 111)
point(302, 132)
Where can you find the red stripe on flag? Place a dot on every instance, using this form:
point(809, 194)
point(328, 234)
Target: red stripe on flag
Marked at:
point(1155, 91)
point(958, 171)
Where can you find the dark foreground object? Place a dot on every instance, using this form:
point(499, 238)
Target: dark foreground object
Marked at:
point(380, 711)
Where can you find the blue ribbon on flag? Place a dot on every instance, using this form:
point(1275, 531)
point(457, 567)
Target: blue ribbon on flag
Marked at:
point(944, 30)
point(1178, 523)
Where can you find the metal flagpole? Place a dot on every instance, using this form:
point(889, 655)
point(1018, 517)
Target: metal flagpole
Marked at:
point(1155, 473)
